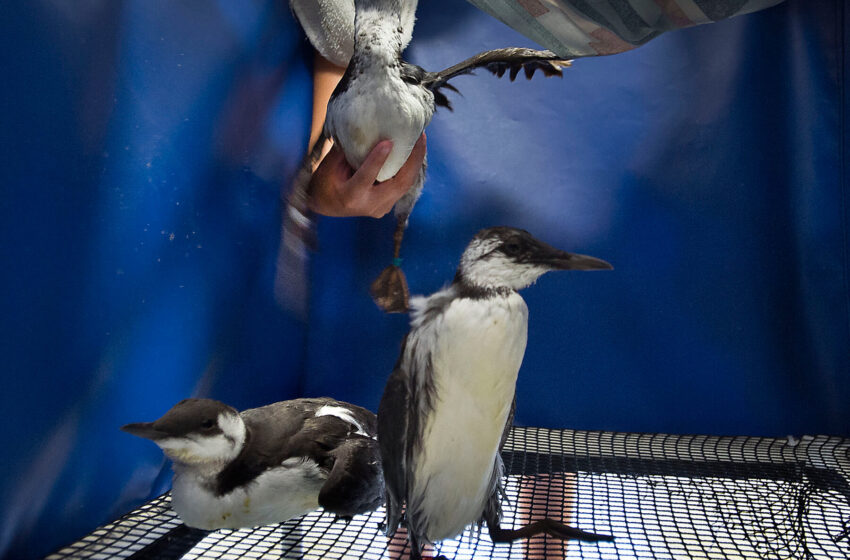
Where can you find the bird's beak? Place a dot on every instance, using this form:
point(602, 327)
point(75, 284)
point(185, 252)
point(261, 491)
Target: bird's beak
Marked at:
point(574, 261)
point(556, 259)
point(144, 430)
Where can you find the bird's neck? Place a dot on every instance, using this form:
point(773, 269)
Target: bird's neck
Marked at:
point(465, 288)
point(377, 34)
point(205, 472)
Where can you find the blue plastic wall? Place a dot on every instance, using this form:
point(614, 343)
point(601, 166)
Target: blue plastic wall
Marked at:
point(144, 144)
point(707, 166)
point(143, 148)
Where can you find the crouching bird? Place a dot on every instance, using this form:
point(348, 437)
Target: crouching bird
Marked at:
point(382, 97)
point(448, 404)
point(269, 464)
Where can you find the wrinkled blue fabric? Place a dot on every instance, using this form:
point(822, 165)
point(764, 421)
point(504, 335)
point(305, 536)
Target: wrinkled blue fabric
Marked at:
point(144, 145)
point(706, 166)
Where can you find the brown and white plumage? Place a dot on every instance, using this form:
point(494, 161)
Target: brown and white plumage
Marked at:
point(269, 464)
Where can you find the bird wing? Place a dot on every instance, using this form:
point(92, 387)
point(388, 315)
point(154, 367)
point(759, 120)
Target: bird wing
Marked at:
point(355, 483)
point(393, 439)
point(497, 61)
point(508, 425)
point(268, 442)
point(281, 431)
point(492, 513)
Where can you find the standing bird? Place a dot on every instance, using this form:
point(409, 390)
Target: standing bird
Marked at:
point(448, 404)
point(380, 97)
point(269, 464)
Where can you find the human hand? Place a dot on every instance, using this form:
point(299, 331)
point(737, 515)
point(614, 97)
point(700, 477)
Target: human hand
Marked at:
point(338, 190)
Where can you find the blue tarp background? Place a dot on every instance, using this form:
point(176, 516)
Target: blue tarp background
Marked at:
point(144, 144)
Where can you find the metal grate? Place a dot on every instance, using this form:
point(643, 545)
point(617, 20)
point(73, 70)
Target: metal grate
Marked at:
point(661, 496)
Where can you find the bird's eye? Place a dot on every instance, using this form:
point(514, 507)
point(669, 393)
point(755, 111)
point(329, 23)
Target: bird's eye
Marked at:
point(207, 424)
point(512, 247)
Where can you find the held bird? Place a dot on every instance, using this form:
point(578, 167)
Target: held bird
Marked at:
point(269, 464)
point(381, 96)
point(448, 404)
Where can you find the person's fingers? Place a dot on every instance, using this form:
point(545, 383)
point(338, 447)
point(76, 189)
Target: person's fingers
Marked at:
point(335, 165)
point(387, 193)
point(322, 194)
point(339, 190)
point(371, 166)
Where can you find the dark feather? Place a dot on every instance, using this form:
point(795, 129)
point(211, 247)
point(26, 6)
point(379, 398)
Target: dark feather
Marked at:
point(393, 417)
point(497, 61)
point(355, 483)
point(294, 431)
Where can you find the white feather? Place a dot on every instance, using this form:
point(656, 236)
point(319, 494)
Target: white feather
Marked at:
point(478, 346)
point(378, 104)
point(487, 268)
point(258, 503)
point(342, 414)
point(206, 450)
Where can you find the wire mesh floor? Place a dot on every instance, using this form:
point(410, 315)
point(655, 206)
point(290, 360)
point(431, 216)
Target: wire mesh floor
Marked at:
point(661, 496)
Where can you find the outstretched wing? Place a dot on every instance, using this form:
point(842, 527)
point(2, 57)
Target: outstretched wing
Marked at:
point(498, 62)
point(393, 419)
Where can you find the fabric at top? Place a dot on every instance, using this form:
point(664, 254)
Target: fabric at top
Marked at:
point(571, 28)
point(330, 25)
point(576, 28)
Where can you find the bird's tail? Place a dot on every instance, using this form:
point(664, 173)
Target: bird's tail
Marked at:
point(497, 61)
point(297, 238)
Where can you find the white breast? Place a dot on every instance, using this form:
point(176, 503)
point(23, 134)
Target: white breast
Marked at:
point(376, 108)
point(479, 346)
point(276, 495)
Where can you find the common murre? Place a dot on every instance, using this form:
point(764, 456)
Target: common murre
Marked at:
point(269, 464)
point(448, 404)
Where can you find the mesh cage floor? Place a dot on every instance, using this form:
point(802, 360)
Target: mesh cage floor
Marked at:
point(661, 496)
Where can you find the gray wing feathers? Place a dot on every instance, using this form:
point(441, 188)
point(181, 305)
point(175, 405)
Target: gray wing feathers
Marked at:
point(498, 61)
point(392, 439)
point(492, 513)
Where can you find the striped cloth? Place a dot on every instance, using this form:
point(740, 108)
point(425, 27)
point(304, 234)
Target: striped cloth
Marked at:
point(576, 28)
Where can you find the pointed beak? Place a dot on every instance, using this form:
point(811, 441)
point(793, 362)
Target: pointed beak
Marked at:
point(144, 430)
point(574, 261)
point(556, 259)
